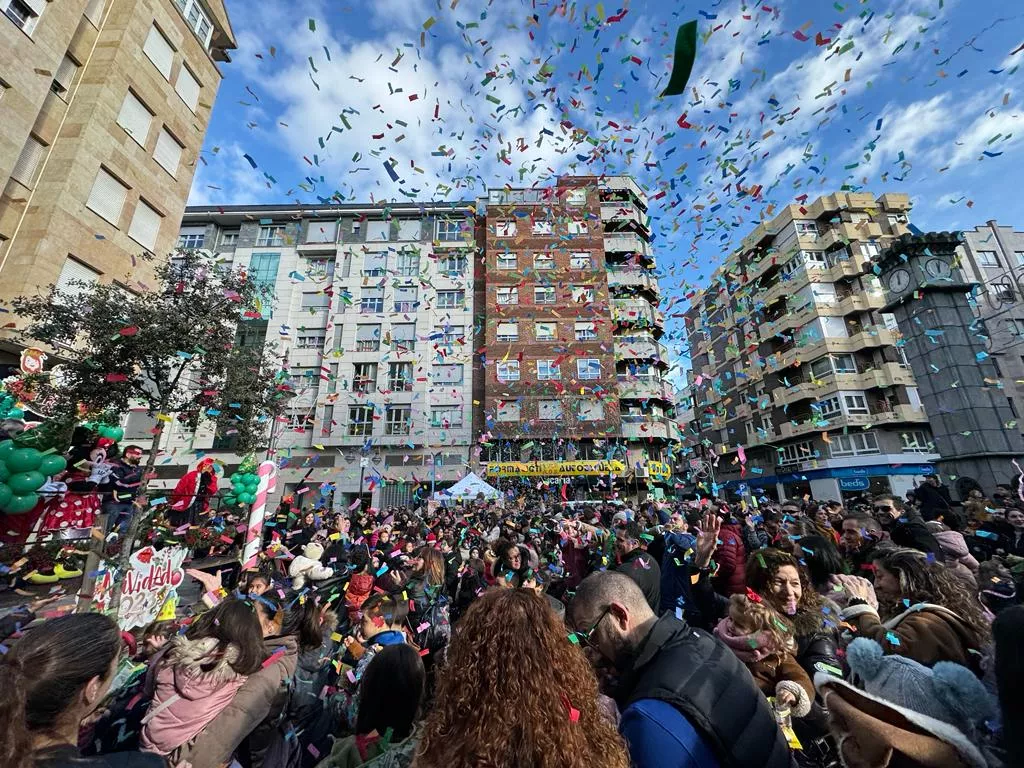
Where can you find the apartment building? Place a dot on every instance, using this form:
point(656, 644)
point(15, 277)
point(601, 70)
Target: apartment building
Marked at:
point(993, 255)
point(373, 318)
point(574, 385)
point(104, 105)
point(800, 383)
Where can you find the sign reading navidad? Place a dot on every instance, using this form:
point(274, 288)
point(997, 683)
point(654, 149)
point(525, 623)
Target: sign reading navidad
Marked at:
point(554, 468)
point(150, 587)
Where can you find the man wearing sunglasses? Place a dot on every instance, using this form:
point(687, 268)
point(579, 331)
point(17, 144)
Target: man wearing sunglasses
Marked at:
point(905, 527)
point(686, 700)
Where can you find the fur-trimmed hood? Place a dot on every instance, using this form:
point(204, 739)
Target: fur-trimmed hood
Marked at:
point(810, 620)
point(190, 660)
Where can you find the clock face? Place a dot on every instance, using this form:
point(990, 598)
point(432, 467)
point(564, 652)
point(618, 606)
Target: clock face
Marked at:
point(899, 281)
point(937, 268)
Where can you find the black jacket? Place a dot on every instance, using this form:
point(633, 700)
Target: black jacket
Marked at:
point(68, 757)
point(707, 683)
point(934, 501)
point(909, 530)
point(643, 569)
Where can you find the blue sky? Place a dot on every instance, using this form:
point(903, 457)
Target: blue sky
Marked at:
point(786, 98)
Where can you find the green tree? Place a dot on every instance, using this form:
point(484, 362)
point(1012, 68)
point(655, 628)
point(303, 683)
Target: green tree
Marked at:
point(171, 351)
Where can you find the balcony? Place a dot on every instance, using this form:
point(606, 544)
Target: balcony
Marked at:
point(848, 267)
point(887, 375)
point(622, 210)
point(643, 388)
point(856, 302)
point(640, 348)
point(637, 312)
point(845, 232)
point(897, 415)
point(805, 352)
point(634, 278)
point(627, 183)
point(626, 242)
point(644, 427)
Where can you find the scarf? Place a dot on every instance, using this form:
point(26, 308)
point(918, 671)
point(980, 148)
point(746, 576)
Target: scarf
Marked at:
point(749, 648)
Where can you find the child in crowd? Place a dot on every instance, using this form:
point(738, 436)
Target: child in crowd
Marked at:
point(764, 642)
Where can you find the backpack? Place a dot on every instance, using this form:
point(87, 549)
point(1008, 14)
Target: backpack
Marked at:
point(283, 747)
point(435, 621)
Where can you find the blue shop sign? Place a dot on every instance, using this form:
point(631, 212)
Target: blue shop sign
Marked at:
point(854, 483)
point(841, 473)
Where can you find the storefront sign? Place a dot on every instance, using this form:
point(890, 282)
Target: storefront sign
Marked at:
point(554, 468)
point(150, 586)
point(854, 483)
point(659, 470)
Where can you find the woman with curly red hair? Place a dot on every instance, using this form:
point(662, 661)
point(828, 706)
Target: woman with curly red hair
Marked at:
point(517, 694)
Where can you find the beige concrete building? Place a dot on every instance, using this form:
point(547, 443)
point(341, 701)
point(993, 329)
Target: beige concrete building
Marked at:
point(800, 383)
point(104, 106)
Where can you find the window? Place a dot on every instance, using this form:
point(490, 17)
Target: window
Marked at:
point(453, 266)
point(72, 274)
point(318, 300)
point(828, 407)
point(988, 259)
point(409, 229)
point(367, 338)
point(446, 416)
point(397, 420)
point(322, 232)
point(581, 260)
point(107, 197)
point(378, 231)
point(406, 298)
point(191, 240)
point(447, 230)
point(364, 378)
point(504, 228)
point(544, 295)
point(543, 261)
point(311, 339)
point(299, 420)
point(1004, 292)
point(870, 250)
point(507, 260)
point(508, 296)
point(855, 404)
point(94, 11)
point(399, 377)
point(446, 374)
point(168, 152)
point(591, 410)
point(26, 170)
point(508, 410)
point(197, 19)
point(145, 226)
point(375, 264)
point(508, 370)
point(549, 410)
point(915, 442)
point(576, 197)
point(159, 51)
point(24, 13)
point(796, 453)
point(451, 334)
point(270, 235)
point(320, 269)
point(135, 118)
point(263, 268)
point(1015, 327)
point(229, 239)
point(408, 264)
point(372, 300)
point(543, 227)
point(545, 331)
point(360, 420)
point(451, 299)
point(508, 332)
point(1019, 255)
point(586, 331)
point(582, 294)
point(807, 229)
point(65, 77)
point(577, 227)
point(187, 87)
point(897, 218)
point(403, 336)
point(588, 369)
point(854, 444)
point(548, 371)
point(844, 363)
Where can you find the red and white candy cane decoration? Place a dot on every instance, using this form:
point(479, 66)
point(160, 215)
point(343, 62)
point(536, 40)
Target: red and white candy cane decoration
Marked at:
point(267, 473)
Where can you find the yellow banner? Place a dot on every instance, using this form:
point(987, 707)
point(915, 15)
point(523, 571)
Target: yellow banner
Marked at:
point(554, 468)
point(659, 470)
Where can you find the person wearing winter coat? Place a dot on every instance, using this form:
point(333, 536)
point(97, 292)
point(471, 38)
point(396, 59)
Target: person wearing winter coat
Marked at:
point(197, 676)
point(637, 564)
point(306, 567)
point(731, 577)
point(824, 566)
point(360, 585)
point(955, 553)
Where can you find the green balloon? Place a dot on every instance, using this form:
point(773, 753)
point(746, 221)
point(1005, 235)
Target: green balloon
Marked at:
point(4, 472)
point(6, 494)
point(24, 460)
point(252, 484)
point(116, 434)
point(6, 449)
point(53, 464)
point(247, 498)
point(25, 482)
point(19, 504)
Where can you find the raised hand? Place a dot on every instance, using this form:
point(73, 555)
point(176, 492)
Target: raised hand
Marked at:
point(707, 540)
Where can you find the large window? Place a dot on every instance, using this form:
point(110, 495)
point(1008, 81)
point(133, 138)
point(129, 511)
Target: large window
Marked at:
point(450, 334)
point(548, 371)
point(191, 240)
point(854, 444)
point(74, 277)
point(24, 13)
point(270, 235)
point(197, 20)
point(446, 374)
point(378, 231)
point(168, 152)
point(543, 261)
point(263, 268)
point(107, 196)
point(448, 230)
point(311, 339)
point(543, 227)
point(452, 266)
point(360, 420)
point(544, 294)
point(807, 229)
point(403, 336)
point(26, 169)
point(582, 294)
point(796, 453)
point(322, 232)
point(988, 259)
point(576, 197)
point(549, 410)
point(367, 338)
point(581, 260)
point(508, 410)
point(917, 441)
point(508, 260)
point(588, 369)
point(504, 228)
point(508, 296)
point(315, 301)
point(855, 403)
point(409, 229)
point(188, 88)
point(591, 410)
point(375, 264)
point(406, 298)
point(508, 332)
point(372, 300)
point(508, 370)
point(586, 330)
point(446, 416)
point(320, 269)
point(578, 227)
point(145, 226)
point(829, 407)
point(64, 78)
point(451, 299)
point(364, 377)
point(397, 420)
point(408, 264)
point(400, 377)
point(159, 51)
point(545, 330)
point(135, 118)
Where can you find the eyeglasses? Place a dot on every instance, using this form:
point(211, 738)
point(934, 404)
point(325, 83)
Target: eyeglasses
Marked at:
point(883, 509)
point(585, 637)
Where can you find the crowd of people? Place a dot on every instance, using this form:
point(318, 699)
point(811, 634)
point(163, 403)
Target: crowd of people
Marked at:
point(539, 633)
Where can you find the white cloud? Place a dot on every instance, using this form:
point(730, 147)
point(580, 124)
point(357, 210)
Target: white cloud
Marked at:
point(225, 177)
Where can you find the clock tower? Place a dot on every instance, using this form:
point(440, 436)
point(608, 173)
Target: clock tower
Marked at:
point(944, 343)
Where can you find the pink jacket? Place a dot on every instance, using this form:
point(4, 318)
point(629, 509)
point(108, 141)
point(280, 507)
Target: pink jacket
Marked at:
point(957, 556)
point(185, 698)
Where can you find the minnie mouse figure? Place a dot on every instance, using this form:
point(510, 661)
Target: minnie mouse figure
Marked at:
point(73, 513)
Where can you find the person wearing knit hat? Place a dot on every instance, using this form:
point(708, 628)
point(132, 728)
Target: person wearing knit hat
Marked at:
point(947, 691)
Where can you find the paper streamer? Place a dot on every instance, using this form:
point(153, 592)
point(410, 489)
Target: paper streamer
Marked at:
point(682, 61)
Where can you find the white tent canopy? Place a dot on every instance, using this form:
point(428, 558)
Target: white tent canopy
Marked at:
point(468, 488)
